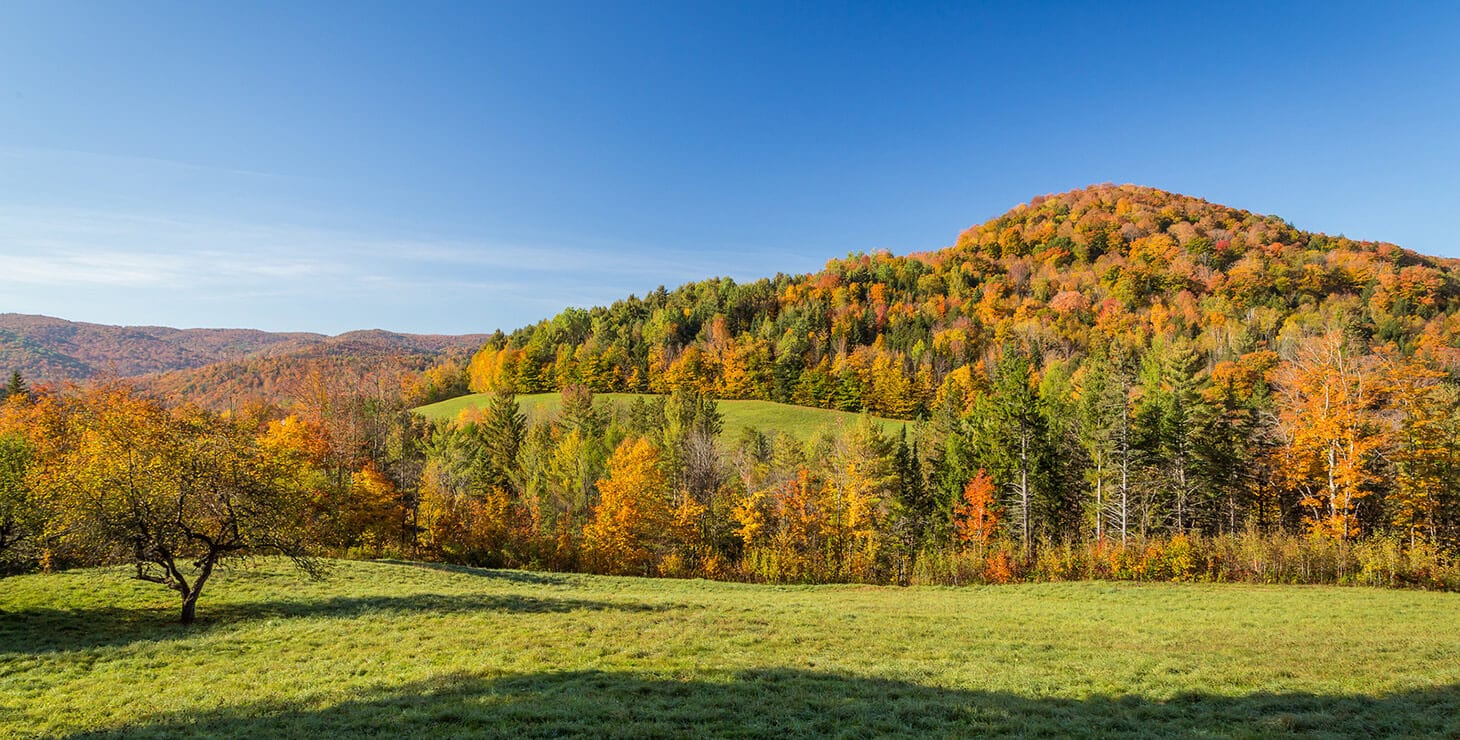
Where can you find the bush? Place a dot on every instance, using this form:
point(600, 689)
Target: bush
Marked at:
point(1248, 557)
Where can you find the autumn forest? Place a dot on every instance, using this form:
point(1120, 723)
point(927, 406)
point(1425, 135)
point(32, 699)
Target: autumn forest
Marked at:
point(1111, 383)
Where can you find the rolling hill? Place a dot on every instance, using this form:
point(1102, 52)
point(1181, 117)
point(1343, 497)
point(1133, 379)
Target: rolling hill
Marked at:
point(47, 349)
point(213, 367)
point(50, 350)
point(1109, 268)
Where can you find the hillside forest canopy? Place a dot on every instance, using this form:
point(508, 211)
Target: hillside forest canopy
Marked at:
point(1115, 382)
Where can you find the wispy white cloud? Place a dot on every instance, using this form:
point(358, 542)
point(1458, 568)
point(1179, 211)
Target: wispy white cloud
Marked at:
point(85, 254)
point(117, 238)
point(84, 269)
point(77, 246)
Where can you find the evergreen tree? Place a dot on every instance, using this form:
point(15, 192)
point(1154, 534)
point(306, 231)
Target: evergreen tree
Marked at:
point(916, 506)
point(1222, 449)
point(1099, 414)
point(503, 431)
point(1014, 443)
point(1058, 510)
point(1182, 414)
point(579, 412)
point(17, 386)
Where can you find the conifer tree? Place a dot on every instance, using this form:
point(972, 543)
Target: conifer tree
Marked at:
point(503, 431)
point(17, 386)
point(1012, 433)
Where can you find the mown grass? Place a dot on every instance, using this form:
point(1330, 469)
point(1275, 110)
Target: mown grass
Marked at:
point(801, 422)
point(397, 649)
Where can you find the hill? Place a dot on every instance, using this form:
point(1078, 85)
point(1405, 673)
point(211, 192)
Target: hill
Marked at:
point(50, 350)
point(798, 421)
point(394, 648)
point(382, 362)
point(1061, 275)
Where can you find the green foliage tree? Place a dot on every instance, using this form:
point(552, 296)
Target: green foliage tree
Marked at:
point(502, 433)
point(21, 515)
point(16, 387)
point(1012, 433)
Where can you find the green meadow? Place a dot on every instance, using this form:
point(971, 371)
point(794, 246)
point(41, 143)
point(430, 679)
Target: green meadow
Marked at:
point(801, 422)
point(405, 649)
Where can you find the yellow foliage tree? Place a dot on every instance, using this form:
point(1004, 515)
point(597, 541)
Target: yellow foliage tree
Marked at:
point(176, 493)
point(373, 515)
point(633, 514)
point(1424, 450)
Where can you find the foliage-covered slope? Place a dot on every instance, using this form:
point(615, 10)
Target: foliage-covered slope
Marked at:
point(277, 376)
point(218, 368)
point(49, 349)
point(1058, 275)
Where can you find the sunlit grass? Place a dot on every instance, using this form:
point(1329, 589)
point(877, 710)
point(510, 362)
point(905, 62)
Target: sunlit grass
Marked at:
point(405, 649)
point(801, 422)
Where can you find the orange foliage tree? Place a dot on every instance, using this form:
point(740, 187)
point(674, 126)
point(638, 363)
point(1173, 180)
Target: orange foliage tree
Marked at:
point(1327, 413)
point(975, 514)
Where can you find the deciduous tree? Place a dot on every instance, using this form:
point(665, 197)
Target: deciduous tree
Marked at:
point(1327, 410)
point(175, 494)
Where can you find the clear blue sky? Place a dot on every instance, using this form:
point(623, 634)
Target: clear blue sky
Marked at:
point(439, 167)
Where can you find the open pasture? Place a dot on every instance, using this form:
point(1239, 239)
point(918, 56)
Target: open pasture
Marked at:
point(394, 648)
point(801, 422)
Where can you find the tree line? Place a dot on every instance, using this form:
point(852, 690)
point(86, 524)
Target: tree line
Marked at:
point(1325, 465)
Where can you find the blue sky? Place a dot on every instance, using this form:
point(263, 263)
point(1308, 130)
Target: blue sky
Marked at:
point(440, 167)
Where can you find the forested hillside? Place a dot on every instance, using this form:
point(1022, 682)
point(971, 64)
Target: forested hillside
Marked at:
point(48, 349)
point(1115, 382)
point(396, 362)
point(45, 349)
point(1108, 270)
point(1124, 359)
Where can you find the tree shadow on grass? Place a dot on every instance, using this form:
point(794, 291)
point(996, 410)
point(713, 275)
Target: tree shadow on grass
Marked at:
point(515, 576)
point(784, 702)
point(50, 630)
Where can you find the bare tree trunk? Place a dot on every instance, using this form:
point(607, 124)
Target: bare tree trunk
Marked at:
point(1124, 477)
point(1024, 487)
point(190, 596)
point(1181, 492)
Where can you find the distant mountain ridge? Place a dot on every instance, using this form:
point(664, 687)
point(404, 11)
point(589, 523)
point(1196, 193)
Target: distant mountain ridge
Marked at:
point(47, 349)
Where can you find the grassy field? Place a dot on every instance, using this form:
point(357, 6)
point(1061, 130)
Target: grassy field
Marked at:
point(799, 421)
point(401, 649)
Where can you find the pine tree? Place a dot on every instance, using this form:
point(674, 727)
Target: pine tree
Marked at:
point(17, 386)
point(1096, 411)
point(1012, 433)
point(1182, 414)
point(503, 431)
point(916, 506)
